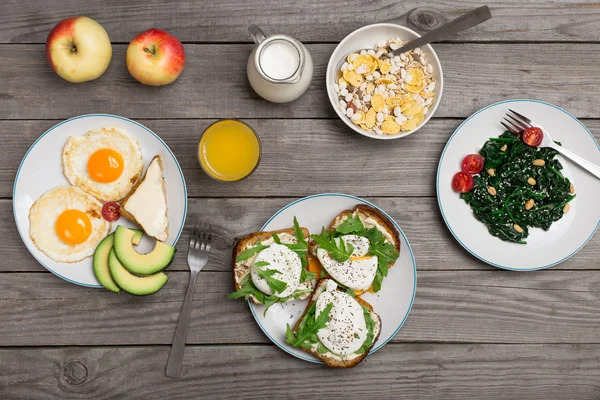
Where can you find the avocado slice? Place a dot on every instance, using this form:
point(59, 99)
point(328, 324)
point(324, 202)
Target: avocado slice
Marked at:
point(139, 285)
point(141, 264)
point(100, 263)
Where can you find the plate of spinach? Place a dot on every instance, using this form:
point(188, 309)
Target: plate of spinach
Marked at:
point(529, 208)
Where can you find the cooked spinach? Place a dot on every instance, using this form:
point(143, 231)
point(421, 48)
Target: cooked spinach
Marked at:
point(513, 166)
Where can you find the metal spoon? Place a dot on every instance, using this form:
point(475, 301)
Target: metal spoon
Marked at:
point(468, 20)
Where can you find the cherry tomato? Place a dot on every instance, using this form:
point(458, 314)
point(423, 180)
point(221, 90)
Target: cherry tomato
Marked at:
point(472, 164)
point(533, 136)
point(462, 182)
point(110, 211)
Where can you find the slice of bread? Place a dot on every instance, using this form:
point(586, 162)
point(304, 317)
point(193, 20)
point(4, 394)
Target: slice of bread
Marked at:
point(329, 358)
point(366, 214)
point(242, 268)
point(146, 204)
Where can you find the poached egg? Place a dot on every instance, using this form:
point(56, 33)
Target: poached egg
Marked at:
point(356, 273)
point(346, 330)
point(287, 264)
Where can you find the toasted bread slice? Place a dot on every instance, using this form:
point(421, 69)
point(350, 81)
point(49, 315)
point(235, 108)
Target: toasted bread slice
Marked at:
point(369, 216)
point(329, 358)
point(242, 268)
point(146, 204)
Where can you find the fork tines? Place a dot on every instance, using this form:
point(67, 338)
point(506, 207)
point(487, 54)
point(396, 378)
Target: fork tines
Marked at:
point(201, 237)
point(517, 123)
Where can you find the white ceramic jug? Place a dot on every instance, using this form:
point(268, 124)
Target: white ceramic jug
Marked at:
point(280, 68)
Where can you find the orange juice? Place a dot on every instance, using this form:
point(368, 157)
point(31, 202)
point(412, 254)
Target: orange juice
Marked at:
point(229, 150)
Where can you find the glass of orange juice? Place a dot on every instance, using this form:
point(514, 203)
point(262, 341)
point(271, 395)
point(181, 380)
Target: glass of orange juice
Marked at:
point(229, 150)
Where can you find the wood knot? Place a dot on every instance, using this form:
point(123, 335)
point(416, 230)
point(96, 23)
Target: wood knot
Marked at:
point(426, 18)
point(74, 373)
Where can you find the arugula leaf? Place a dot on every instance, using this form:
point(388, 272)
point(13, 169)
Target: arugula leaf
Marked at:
point(370, 331)
point(306, 335)
point(276, 238)
point(350, 292)
point(249, 252)
point(351, 225)
point(377, 281)
point(298, 231)
point(275, 284)
point(338, 249)
point(385, 251)
point(306, 275)
point(375, 236)
point(246, 290)
point(323, 273)
point(322, 349)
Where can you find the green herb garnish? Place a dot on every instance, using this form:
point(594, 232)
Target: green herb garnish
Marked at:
point(306, 334)
point(337, 248)
point(351, 225)
point(275, 284)
point(512, 168)
point(370, 331)
point(249, 252)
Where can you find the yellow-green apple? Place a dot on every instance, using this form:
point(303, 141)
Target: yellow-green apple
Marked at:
point(155, 57)
point(78, 49)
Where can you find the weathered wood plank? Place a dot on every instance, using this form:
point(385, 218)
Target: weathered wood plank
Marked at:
point(38, 309)
point(312, 20)
point(214, 84)
point(300, 157)
point(433, 245)
point(412, 371)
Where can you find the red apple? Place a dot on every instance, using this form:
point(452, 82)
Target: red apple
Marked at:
point(155, 57)
point(78, 49)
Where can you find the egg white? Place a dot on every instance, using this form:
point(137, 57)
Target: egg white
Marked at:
point(346, 329)
point(288, 266)
point(44, 213)
point(356, 273)
point(77, 152)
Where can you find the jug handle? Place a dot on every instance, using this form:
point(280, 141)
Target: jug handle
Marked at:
point(256, 33)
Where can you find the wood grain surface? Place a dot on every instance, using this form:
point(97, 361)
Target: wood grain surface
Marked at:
point(474, 331)
point(22, 21)
point(400, 371)
point(214, 83)
point(450, 306)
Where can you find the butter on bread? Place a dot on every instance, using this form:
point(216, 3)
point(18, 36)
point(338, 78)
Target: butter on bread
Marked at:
point(242, 268)
point(329, 358)
point(146, 204)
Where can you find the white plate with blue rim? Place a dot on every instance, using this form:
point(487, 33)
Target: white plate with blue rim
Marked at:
point(393, 302)
point(543, 249)
point(41, 170)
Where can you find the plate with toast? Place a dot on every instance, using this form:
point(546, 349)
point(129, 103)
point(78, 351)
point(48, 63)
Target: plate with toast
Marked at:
point(85, 177)
point(330, 278)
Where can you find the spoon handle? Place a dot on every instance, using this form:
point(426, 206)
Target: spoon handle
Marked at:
point(461, 23)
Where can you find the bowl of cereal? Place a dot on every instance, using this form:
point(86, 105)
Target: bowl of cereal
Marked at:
point(378, 96)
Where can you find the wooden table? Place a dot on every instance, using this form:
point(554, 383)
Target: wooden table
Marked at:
point(474, 331)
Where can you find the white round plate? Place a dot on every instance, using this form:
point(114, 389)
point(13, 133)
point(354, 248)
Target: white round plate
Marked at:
point(544, 249)
point(365, 38)
point(392, 302)
point(41, 170)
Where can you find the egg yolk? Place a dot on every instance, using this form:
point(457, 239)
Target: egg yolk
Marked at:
point(105, 165)
point(73, 227)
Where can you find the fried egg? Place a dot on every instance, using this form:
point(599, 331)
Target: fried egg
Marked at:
point(358, 271)
point(66, 224)
point(105, 163)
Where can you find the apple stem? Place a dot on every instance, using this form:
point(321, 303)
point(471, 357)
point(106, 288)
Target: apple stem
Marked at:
point(151, 50)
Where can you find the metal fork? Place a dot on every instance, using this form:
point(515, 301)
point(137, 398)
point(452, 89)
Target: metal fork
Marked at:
point(198, 252)
point(517, 123)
